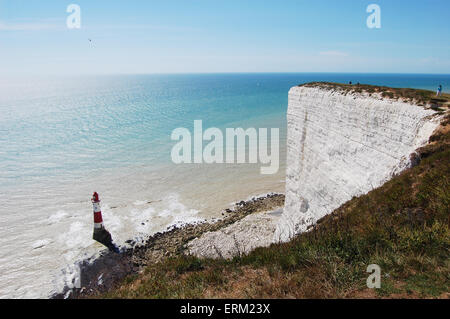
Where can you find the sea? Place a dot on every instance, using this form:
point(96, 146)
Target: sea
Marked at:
point(64, 137)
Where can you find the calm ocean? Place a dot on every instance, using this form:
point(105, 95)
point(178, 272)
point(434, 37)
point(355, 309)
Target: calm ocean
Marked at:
point(63, 138)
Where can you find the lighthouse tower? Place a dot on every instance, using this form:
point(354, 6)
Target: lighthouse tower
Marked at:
point(98, 220)
point(100, 233)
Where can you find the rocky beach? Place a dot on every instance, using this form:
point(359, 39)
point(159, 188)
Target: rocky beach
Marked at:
point(102, 274)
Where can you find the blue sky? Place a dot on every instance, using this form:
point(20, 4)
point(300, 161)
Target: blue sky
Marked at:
point(190, 36)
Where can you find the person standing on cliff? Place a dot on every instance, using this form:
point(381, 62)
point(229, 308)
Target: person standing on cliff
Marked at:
point(439, 90)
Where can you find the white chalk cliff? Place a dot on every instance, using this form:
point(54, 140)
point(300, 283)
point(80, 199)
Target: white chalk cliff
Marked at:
point(341, 145)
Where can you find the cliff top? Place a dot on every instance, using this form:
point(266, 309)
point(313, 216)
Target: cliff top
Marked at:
point(415, 96)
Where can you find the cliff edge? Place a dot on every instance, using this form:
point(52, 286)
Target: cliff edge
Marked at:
point(344, 141)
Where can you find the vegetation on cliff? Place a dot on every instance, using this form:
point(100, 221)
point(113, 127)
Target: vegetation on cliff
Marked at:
point(415, 96)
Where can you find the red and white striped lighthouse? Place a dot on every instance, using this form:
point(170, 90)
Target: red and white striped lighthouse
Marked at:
point(98, 220)
point(100, 233)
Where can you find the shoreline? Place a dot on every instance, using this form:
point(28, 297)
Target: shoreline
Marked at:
point(107, 271)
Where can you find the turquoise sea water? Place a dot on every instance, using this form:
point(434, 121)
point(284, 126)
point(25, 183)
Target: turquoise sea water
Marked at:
point(58, 127)
point(62, 138)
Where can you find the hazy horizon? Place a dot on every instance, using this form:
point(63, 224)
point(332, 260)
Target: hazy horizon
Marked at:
point(209, 73)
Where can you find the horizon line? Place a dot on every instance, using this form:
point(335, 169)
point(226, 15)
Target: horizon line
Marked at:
point(211, 73)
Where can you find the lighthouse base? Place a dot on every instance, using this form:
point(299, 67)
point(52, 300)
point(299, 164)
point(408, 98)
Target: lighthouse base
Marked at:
point(102, 236)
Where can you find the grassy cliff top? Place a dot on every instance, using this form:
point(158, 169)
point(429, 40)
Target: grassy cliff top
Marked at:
point(414, 96)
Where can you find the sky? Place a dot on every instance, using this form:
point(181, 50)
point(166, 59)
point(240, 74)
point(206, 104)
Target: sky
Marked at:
point(208, 36)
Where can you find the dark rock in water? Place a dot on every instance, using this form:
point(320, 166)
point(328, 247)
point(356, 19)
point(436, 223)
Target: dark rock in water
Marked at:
point(102, 236)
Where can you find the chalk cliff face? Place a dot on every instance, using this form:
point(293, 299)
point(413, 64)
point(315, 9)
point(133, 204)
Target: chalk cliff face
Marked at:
point(341, 145)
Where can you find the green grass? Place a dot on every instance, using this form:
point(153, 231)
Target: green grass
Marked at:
point(417, 96)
